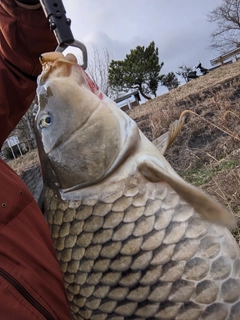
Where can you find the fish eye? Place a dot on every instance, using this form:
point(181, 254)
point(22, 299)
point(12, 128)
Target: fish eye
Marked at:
point(45, 121)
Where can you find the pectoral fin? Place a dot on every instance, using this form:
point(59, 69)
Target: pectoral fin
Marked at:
point(164, 141)
point(211, 210)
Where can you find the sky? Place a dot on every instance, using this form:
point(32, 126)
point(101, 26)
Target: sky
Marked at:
point(179, 28)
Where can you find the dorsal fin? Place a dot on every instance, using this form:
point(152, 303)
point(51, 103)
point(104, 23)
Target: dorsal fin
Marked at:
point(164, 141)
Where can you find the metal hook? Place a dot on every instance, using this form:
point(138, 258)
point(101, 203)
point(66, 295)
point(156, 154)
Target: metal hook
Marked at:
point(76, 44)
point(60, 25)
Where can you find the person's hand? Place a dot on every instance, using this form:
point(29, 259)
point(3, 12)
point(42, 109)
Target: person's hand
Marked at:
point(28, 4)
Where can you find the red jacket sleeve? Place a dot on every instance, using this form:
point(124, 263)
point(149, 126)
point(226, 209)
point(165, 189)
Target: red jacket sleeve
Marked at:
point(24, 35)
point(31, 283)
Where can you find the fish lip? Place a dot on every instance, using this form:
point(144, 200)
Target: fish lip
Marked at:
point(52, 61)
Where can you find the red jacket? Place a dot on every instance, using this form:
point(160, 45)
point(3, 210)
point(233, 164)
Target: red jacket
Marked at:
point(31, 285)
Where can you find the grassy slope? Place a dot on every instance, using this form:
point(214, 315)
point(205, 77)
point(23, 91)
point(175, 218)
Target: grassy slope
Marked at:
point(193, 87)
point(207, 151)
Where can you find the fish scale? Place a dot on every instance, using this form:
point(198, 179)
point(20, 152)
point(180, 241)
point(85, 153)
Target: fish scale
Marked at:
point(136, 259)
point(134, 241)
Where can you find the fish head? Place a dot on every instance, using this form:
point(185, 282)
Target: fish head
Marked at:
point(82, 136)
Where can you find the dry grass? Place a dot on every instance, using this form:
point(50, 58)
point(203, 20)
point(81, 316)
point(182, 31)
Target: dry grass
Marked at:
point(25, 162)
point(207, 151)
point(195, 86)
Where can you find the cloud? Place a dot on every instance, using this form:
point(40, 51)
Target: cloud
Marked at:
point(116, 48)
point(179, 28)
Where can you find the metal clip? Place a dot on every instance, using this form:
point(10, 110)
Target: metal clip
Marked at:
point(60, 25)
point(76, 44)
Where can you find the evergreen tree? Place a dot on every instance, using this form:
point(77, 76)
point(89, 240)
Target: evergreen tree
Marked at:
point(170, 81)
point(139, 70)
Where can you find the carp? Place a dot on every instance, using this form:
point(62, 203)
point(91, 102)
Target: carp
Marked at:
point(133, 239)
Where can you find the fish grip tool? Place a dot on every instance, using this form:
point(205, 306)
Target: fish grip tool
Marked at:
point(60, 25)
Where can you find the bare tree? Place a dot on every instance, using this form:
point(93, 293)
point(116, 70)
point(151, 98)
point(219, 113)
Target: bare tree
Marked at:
point(227, 34)
point(98, 65)
point(26, 130)
point(184, 70)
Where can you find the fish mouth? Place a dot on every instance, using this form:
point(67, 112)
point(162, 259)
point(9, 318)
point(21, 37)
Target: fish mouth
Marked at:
point(54, 61)
point(55, 64)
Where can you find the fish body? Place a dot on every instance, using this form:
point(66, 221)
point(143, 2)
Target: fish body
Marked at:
point(134, 241)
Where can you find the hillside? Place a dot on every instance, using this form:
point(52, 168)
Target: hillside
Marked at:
point(198, 89)
point(207, 151)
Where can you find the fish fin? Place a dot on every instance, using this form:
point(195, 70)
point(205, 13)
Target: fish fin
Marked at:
point(206, 206)
point(161, 142)
point(164, 141)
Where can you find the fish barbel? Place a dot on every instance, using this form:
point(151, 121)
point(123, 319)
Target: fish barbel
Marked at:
point(134, 241)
